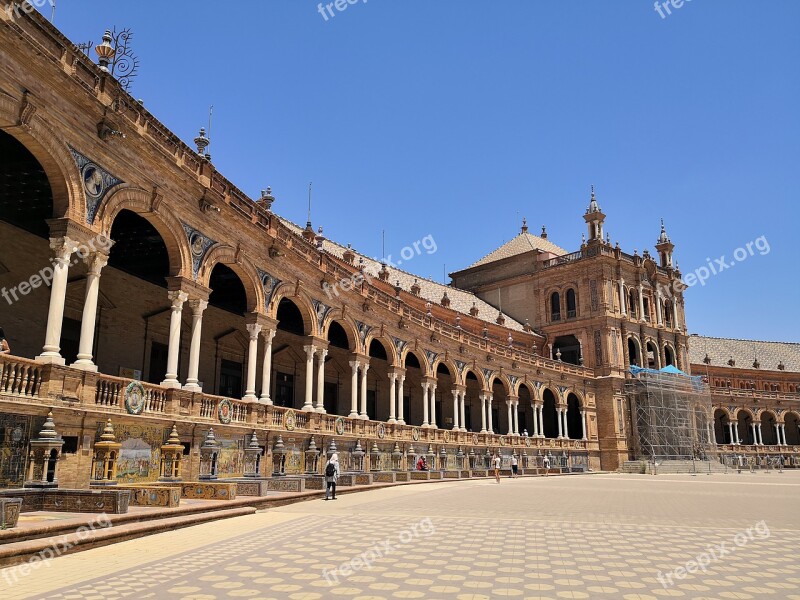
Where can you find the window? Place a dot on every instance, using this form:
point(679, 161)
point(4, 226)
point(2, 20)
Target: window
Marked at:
point(633, 304)
point(555, 306)
point(571, 304)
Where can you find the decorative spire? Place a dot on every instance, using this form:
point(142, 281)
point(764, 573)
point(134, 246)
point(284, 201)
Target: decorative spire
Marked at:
point(254, 441)
point(174, 439)
point(524, 225)
point(663, 238)
point(48, 431)
point(544, 233)
point(108, 433)
point(593, 206)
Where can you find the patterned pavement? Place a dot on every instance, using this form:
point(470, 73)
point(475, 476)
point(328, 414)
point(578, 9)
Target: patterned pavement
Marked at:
point(602, 536)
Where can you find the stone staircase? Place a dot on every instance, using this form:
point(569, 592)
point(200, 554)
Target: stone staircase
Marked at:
point(664, 467)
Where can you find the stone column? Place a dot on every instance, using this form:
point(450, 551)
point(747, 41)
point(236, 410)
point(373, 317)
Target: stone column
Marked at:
point(566, 423)
point(85, 350)
point(675, 315)
point(730, 433)
point(463, 412)
point(560, 422)
point(308, 405)
point(177, 298)
point(584, 435)
point(63, 248)
point(354, 365)
point(321, 355)
point(400, 400)
point(483, 412)
point(455, 409)
point(392, 397)
point(425, 387)
point(755, 435)
point(510, 417)
point(535, 432)
point(712, 433)
point(192, 381)
point(640, 290)
point(778, 434)
point(364, 369)
point(659, 318)
point(489, 400)
point(783, 435)
point(266, 371)
point(623, 305)
point(541, 420)
point(253, 329)
point(760, 436)
point(433, 405)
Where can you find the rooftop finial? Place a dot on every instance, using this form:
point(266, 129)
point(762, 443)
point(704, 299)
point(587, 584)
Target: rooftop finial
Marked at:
point(593, 206)
point(544, 233)
point(524, 225)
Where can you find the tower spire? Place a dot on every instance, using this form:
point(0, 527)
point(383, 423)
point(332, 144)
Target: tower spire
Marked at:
point(594, 218)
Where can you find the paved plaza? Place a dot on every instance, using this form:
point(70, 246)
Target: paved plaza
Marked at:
point(595, 536)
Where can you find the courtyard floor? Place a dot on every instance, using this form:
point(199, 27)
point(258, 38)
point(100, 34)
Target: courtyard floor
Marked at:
point(594, 536)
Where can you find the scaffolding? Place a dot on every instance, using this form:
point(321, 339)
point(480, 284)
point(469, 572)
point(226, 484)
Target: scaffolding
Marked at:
point(670, 413)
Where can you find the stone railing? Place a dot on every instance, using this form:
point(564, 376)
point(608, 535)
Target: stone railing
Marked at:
point(752, 449)
point(23, 380)
point(20, 376)
point(750, 394)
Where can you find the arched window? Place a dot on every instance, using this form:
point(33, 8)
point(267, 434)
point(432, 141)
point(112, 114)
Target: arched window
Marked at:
point(669, 358)
point(667, 314)
point(633, 304)
point(571, 304)
point(555, 306)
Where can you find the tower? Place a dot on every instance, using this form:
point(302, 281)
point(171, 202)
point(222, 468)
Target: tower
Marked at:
point(665, 247)
point(594, 218)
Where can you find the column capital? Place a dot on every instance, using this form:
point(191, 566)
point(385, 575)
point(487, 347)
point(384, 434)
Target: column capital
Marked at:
point(190, 287)
point(177, 298)
point(355, 364)
point(198, 306)
point(63, 247)
point(253, 329)
point(268, 334)
point(96, 261)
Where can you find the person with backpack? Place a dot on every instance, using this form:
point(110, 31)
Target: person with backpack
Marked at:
point(4, 347)
point(331, 475)
point(496, 465)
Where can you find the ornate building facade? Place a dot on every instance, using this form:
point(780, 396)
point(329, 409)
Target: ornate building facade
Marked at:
point(140, 285)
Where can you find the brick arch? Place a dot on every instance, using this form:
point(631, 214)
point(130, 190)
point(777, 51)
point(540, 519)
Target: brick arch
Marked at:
point(478, 374)
point(247, 273)
point(528, 386)
point(386, 342)
point(577, 394)
point(168, 226)
point(503, 381)
point(52, 153)
point(300, 299)
point(349, 326)
point(451, 367)
point(420, 356)
point(740, 410)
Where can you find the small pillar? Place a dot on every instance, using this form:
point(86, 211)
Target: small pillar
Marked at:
point(460, 458)
point(332, 448)
point(45, 452)
point(312, 457)
point(473, 459)
point(209, 457)
point(374, 457)
point(171, 458)
point(397, 457)
point(524, 459)
point(279, 458)
point(431, 458)
point(358, 457)
point(252, 458)
point(104, 459)
point(487, 458)
point(411, 454)
point(443, 459)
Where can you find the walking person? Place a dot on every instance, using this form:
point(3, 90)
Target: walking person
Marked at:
point(4, 347)
point(331, 475)
point(546, 465)
point(496, 464)
point(514, 466)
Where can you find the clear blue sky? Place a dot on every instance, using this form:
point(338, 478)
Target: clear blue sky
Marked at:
point(457, 118)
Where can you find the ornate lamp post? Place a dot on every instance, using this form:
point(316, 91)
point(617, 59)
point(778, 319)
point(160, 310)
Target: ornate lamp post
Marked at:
point(460, 458)
point(104, 459)
point(358, 457)
point(473, 458)
point(431, 458)
point(442, 458)
point(312, 457)
point(252, 458)
point(105, 51)
point(45, 452)
point(209, 457)
point(279, 458)
point(171, 458)
point(397, 457)
point(374, 457)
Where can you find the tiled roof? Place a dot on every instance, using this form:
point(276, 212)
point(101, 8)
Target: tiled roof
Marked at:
point(460, 300)
point(744, 353)
point(524, 242)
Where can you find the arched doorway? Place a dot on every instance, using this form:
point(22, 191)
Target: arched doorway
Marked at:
point(652, 356)
point(669, 356)
point(633, 352)
point(549, 415)
point(769, 437)
point(228, 295)
point(574, 418)
point(721, 430)
point(412, 390)
point(791, 423)
point(379, 364)
point(745, 431)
